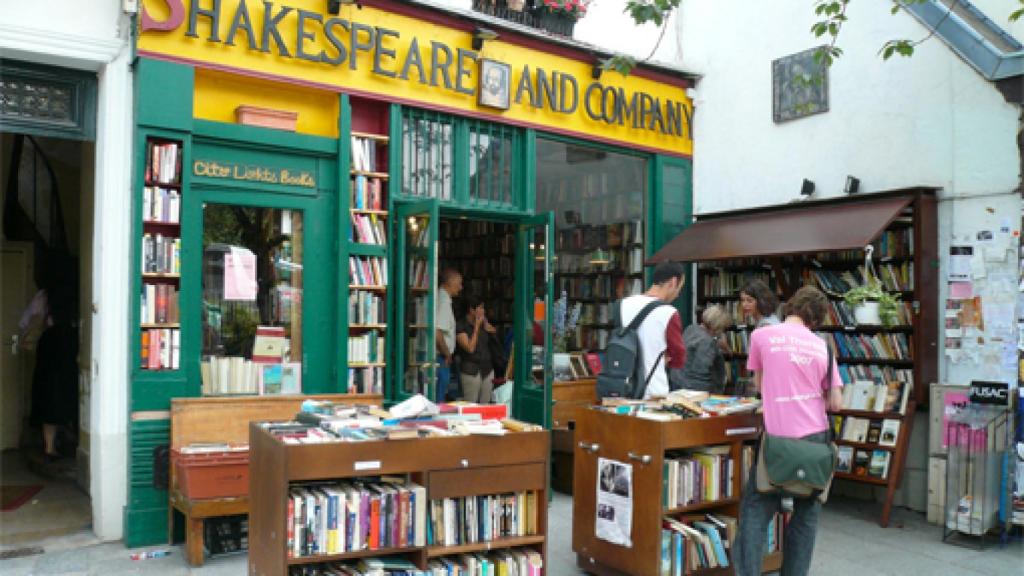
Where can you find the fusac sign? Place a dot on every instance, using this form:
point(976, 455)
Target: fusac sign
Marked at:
point(992, 393)
point(376, 51)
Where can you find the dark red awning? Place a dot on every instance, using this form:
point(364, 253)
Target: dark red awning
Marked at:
point(784, 230)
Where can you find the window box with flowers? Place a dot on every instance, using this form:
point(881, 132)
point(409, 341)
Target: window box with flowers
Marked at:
point(560, 16)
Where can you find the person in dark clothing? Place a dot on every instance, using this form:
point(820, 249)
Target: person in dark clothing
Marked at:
point(473, 334)
point(705, 364)
point(55, 378)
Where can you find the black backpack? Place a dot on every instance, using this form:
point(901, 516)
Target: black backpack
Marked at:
point(622, 375)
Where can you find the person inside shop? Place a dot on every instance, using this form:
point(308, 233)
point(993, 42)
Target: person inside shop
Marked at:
point(705, 348)
point(759, 303)
point(473, 337)
point(444, 326)
point(792, 383)
point(661, 332)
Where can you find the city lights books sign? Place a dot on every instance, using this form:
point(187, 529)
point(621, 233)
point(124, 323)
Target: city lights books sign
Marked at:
point(375, 52)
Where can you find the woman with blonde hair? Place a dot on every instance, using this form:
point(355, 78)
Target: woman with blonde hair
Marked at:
point(705, 364)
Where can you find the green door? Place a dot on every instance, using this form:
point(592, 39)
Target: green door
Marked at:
point(290, 239)
point(534, 283)
point(415, 279)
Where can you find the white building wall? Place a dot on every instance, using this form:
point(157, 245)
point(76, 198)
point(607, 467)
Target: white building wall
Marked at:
point(94, 36)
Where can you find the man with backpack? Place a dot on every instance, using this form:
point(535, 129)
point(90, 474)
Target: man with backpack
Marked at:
point(648, 337)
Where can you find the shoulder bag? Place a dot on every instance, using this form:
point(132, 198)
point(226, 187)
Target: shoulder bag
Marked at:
point(797, 467)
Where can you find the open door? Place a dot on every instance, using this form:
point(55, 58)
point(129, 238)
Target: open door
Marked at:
point(534, 284)
point(415, 273)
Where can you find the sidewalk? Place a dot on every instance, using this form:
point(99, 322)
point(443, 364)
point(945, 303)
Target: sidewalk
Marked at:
point(850, 542)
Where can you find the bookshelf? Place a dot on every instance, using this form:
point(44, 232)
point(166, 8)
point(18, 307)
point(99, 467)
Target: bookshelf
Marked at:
point(904, 254)
point(160, 268)
point(483, 252)
point(442, 469)
point(649, 446)
point(367, 249)
point(597, 265)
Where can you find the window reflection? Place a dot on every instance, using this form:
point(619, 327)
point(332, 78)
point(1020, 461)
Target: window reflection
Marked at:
point(252, 300)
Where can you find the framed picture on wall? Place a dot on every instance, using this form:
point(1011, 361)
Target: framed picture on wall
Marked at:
point(494, 88)
point(799, 86)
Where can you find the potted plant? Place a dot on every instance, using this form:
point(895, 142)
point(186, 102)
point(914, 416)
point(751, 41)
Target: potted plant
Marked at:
point(560, 16)
point(872, 304)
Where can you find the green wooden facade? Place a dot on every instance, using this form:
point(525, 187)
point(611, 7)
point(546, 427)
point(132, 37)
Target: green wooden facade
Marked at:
point(164, 109)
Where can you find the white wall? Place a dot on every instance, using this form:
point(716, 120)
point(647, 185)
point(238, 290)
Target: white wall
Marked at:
point(929, 119)
point(94, 36)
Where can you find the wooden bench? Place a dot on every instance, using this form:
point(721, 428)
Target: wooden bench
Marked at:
point(224, 420)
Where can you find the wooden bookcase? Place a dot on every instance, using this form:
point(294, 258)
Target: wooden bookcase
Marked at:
point(368, 229)
point(643, 444)
point(908, 244)
point(447, 467)
point(161, 201)
point(898, 457)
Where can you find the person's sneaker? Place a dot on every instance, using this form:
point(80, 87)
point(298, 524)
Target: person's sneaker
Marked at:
point(787, 504)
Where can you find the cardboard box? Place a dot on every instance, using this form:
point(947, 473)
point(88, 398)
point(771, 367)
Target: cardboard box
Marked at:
point(213, 474)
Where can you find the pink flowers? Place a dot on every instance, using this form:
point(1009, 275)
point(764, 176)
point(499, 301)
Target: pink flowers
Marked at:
point(574, 8)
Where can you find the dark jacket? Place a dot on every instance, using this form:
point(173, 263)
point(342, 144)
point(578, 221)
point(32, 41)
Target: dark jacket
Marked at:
point(479, 361)
point(705, 365)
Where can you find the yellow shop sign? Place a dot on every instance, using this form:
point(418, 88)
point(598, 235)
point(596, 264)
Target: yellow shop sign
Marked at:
point(378, 53)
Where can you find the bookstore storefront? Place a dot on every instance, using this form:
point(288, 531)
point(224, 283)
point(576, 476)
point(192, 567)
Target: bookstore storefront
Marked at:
point(303, 176)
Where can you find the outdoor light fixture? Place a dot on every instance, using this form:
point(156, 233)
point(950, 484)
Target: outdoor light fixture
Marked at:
point(807, 188)
point(852, 185)
point(334, 6)
point(481, 35)
point(596, 71)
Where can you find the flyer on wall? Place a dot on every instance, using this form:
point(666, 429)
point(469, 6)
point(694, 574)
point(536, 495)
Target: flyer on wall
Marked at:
point(614, 521)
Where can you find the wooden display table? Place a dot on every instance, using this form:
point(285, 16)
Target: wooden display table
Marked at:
point(642, 444)
point(448, 467)
point(225, 420)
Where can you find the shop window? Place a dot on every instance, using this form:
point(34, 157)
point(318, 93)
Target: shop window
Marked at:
point(252, 300)
point(491, 155)
point(427, 143)
point(598, 199)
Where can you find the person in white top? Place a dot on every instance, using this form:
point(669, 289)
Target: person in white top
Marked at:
point(661, 333)
point(444, 326)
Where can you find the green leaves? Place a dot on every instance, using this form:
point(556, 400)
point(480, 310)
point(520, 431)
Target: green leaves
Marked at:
point(620, 63)
point(902, 47)
point(644, 11)
point(1019, 13)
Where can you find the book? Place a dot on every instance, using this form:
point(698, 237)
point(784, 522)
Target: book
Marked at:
point(874, 430)
point(269, 344)
point(855, 429)
point(862, 395)
point(861, 460)
point(890, 433)
point(844, 461)
point(879, 466)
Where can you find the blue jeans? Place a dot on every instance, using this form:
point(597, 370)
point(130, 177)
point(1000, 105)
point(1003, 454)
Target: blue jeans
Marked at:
point(444, 376)
point(757, 511)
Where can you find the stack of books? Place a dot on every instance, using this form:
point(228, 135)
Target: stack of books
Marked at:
point(696, 543)
point(472, 519)
point(698, 476)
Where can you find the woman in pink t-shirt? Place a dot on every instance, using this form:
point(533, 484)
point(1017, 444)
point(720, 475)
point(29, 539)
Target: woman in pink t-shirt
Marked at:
point(791, 367)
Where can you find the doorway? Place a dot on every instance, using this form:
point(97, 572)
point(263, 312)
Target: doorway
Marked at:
point(46, 210)
point(504, 263)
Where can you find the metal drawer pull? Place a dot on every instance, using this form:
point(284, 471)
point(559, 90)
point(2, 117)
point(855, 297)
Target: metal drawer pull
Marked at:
point(643, 458)
point(740, 431)
point(464, 463)
point(592, 448)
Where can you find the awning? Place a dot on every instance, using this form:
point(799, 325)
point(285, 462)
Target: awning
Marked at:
point(777, 231)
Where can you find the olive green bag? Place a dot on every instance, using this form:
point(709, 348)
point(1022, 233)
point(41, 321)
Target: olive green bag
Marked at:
point(795, 466)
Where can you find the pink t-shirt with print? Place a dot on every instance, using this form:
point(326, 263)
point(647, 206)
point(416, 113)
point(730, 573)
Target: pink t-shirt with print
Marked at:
point(793, 361)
